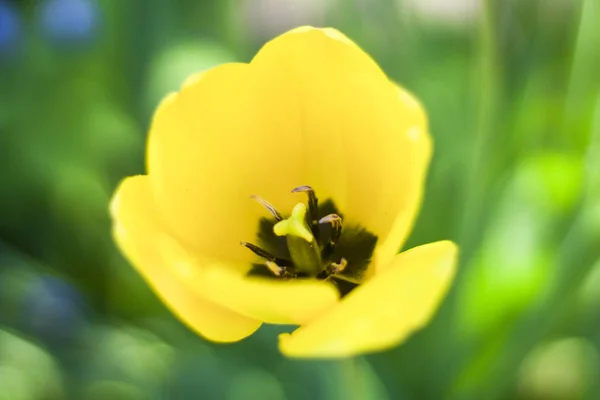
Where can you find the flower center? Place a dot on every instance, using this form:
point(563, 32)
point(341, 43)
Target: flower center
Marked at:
point(312, 242)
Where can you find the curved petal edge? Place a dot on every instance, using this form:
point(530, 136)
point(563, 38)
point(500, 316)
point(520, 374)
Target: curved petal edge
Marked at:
point(383, 312)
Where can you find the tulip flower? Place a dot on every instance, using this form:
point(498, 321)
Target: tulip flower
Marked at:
point(279, 191)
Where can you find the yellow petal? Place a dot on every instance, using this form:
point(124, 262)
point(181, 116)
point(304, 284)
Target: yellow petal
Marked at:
point(418, 154)
point(293, 302)
point(225, 136)
point(278, 302)
point(366, 140)
point(332, 80)
point(135, 230)
point(178, 274)
point(312, 108)
point(384, 311)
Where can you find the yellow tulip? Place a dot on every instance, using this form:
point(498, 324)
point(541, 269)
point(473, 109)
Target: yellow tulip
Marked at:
point(313, 109)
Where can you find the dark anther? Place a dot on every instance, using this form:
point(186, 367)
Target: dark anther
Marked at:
point(313, 202)
point(268, 206)
point(265, 254)
point(336, 230)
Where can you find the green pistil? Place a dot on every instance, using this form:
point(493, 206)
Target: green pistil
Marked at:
point(303, 248)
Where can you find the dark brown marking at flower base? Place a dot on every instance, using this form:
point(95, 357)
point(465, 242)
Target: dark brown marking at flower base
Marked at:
point(356, 245)
point(268, 240)
point(346, 248)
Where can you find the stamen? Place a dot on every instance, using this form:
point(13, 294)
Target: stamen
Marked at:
point(268, 206)
point(346, 278)
point(337, 268)
point(265, 254)
point(313, 202)
point(274, 268)
point(336, 226)
point(279, 271)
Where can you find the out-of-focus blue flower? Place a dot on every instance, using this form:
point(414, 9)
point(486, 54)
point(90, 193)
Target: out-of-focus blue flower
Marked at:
point(10, 26)
point(69, 22)
point(52, 310)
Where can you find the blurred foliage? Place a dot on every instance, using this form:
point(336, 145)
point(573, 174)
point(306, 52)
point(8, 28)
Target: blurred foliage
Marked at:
point(512, 89)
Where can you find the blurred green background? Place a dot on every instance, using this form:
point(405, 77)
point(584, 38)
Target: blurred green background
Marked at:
point(512, 89)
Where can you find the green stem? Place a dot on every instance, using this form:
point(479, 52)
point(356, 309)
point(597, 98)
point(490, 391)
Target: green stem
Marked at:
point(353, 379)
point(584, 76)
point(488, 99)
point(474, 185)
